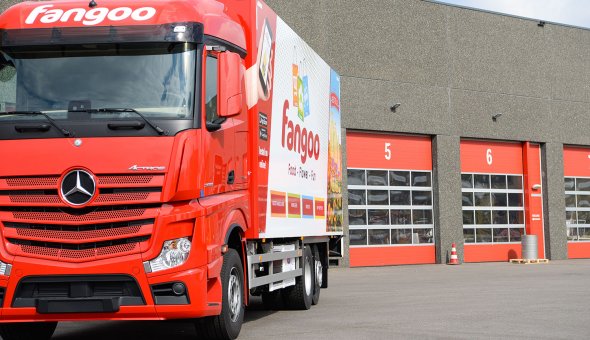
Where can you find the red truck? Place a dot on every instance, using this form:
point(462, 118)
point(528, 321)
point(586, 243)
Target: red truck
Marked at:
point(162, 159)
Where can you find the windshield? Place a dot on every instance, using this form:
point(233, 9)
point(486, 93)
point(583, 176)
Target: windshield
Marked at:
point(155, 79)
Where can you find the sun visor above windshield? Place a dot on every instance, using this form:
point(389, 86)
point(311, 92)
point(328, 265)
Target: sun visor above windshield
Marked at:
point(131, 14)
point(173, 32)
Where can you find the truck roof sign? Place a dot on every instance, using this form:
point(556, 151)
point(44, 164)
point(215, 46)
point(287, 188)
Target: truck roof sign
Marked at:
point(47, 14)
point(214, 17)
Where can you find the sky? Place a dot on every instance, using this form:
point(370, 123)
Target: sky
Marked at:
point(570, 12)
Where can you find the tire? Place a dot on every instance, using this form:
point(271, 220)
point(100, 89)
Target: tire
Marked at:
point(317, 275)
point(273, 300)
point(299, 296)
point(228, 324)
point(27, 330)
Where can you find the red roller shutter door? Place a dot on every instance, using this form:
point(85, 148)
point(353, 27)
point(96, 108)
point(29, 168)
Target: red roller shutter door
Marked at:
point(390, 199)
point(577, 200)
point(499, 202)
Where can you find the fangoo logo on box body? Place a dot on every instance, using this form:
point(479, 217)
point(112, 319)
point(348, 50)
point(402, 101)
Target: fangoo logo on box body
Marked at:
point(49, 15)
point(300, 139)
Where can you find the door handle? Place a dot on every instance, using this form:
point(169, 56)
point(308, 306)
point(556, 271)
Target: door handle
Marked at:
point(231, 177)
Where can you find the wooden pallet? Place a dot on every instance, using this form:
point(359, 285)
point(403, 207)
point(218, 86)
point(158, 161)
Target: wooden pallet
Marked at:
point(527, 261)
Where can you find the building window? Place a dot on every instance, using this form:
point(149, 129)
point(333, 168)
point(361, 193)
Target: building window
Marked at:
point(577, 208)
point(493, 208)
point(390, 207)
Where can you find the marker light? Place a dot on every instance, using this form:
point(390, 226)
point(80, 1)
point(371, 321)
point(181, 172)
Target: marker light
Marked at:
point(174, 253)
point(180, 29)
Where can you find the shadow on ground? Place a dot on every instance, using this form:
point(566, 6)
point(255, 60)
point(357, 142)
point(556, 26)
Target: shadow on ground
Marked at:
point(145, 330)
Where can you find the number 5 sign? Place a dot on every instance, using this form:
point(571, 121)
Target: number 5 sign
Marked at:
point(388, 151)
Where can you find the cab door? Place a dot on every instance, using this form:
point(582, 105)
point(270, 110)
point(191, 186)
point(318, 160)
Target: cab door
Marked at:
point(218, 133)
point(224, 138)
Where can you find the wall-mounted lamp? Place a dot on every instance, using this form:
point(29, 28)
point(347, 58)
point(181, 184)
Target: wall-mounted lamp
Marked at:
point(496, 116)
point(394, 107)
point(541, 23)
point(536, 186)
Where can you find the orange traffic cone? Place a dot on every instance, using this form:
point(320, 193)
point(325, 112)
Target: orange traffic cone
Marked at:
point(454, 259)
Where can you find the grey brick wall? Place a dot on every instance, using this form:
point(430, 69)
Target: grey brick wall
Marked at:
point(4, 4)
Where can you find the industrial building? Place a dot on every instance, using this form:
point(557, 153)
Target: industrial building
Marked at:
point(461, 126)
point(490, 125)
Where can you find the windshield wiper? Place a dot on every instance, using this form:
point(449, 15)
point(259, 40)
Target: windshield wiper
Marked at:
point(158, 129)
point(65, 132)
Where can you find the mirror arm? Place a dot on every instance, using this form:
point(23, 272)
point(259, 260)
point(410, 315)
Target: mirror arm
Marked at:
point(212, 127)
point(215, 124)
point(3, 62)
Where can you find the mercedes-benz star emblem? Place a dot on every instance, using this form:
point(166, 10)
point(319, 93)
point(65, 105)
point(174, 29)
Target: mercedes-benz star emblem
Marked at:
point(78, 187)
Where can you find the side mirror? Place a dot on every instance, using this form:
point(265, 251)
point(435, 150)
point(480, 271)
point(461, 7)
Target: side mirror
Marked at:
point(231, 83)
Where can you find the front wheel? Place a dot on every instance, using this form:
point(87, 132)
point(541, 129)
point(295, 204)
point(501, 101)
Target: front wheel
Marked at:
point(27, 330)
point(228, 324)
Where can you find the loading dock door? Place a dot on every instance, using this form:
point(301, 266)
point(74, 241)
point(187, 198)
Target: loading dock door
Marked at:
point(498, 200)
point(390, 199)
point(577, 200)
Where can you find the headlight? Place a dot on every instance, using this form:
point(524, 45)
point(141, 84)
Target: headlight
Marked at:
point(5, 268)
point(173, 254)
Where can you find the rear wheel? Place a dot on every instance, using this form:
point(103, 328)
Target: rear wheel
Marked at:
point(27, 330)
point(228, 324)
point(300, 295)
point(318, 275)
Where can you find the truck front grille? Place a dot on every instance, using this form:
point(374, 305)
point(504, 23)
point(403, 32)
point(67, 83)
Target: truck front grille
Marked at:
point(51, 181)
point(82, 232)
point(69, 215)
point(80, 250)
point(113, 189)
point(34, 222)
point(29, 181)
point(51, 198)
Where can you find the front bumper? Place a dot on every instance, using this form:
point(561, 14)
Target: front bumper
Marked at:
point(203, 292)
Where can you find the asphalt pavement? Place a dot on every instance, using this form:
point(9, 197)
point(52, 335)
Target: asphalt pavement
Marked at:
point(470, 301)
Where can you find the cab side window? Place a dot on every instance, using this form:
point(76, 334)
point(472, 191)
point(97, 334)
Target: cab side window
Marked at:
point(211, 80)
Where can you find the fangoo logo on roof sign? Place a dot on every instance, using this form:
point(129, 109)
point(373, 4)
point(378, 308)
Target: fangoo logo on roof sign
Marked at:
point(95, 16)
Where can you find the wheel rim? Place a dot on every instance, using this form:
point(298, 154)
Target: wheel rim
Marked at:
point(234, 295)
point(308, 276)
point(319, 273)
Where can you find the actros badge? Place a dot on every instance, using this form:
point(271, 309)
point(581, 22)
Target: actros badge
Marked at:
point(147, 168)
point(78, 187)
